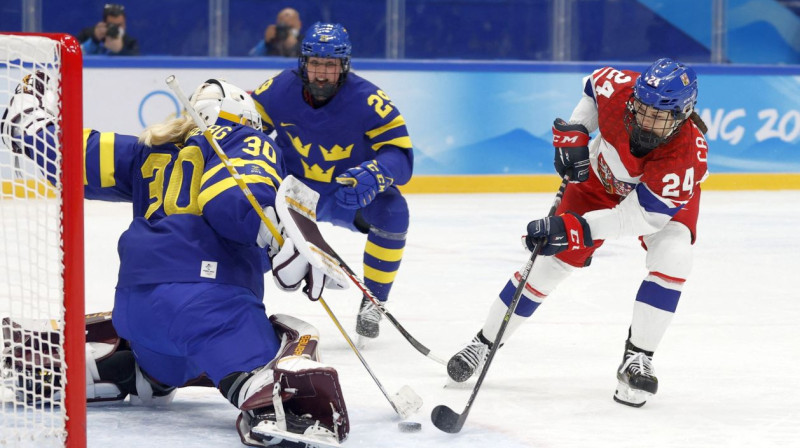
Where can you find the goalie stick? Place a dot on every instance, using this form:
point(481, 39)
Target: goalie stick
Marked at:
point(298, 203)
point(447, 419)
point(405, 401)
point(295, 204)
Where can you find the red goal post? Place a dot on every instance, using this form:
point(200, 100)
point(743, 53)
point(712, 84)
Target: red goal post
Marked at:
point(43, 389)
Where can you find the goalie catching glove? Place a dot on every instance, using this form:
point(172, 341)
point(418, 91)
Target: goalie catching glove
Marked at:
point(289, 267)
point(360, 184)
point(567, 231)
point(32, 108)
point(572, 150)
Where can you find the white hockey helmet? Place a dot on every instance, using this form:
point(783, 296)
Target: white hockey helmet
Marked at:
point(217, 96)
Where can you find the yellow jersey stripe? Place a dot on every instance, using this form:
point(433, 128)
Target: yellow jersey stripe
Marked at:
point(379, 276)
point(397, 122)
point(263, 114)
point(401, 142)
point(86, 133)
point(382, 253)
point(229, 182)
point(107, 159)
point(241, 162)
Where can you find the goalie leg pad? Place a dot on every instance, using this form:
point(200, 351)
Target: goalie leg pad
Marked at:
point(109, 363)
point(298, 338)
point(110, 366)
point(31, 349)
point(294, 386)
point(110, 374)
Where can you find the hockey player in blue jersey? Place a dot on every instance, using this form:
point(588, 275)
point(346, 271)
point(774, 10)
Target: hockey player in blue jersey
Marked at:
point(342, 136)
point(189, 295)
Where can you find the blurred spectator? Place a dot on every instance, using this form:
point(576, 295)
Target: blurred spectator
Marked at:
point(281, 38)
point(108, 36)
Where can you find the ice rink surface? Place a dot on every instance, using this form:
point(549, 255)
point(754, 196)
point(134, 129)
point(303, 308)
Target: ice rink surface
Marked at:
point(728, 367)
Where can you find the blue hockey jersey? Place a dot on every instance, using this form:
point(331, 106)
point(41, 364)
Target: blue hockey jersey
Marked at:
point(191, 222)
point(359, 123)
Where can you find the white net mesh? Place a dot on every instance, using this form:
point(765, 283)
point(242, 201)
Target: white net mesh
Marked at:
point(31, 261)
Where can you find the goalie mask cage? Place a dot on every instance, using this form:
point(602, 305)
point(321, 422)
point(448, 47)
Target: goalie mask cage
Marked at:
point(43, 389)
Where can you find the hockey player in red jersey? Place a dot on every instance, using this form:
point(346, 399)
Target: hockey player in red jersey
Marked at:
point(640, 176)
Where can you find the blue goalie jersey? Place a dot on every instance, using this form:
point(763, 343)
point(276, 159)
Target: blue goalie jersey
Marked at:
point(191, 222)
point(359, 123)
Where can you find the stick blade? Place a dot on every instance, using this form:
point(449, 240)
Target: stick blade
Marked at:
point(446, 419)
point(406, 402)
point(296, 206)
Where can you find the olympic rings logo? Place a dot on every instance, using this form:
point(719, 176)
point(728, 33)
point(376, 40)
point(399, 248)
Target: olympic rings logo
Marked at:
point(149, 97)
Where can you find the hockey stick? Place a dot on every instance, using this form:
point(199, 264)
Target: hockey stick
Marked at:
point(406, 401)
point(300, 204)
point(292, 207)
point(442, 416)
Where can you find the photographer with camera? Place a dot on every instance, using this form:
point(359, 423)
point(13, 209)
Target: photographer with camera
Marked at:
point(108, 36)
point(281, 38)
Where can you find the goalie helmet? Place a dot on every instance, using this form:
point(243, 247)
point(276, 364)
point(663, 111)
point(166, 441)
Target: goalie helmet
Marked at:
point(663, 97)
point(217, 97)
point(325, 40)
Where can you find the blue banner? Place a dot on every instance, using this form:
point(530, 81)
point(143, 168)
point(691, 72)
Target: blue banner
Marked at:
point(499, 123)
point(488, 118)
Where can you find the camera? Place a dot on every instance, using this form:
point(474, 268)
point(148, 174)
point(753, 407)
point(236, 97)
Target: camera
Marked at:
point(282, 31)
point(112, 31)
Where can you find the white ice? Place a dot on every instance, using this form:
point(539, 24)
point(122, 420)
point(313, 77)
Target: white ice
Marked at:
point(728, 366)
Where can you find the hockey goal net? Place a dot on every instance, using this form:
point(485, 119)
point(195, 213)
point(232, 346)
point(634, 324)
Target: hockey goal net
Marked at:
point(43, 389)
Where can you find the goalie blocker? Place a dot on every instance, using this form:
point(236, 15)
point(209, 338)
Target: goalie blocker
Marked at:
point(293, 401)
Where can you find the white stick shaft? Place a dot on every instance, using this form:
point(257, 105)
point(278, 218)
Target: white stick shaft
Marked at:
point(172, 82)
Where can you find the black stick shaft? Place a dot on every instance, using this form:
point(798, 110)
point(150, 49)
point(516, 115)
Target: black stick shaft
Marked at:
point(443, 417)
point(367, 293)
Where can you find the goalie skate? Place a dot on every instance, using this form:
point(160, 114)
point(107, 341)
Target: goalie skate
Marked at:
point(300, 432)
point(636, 377)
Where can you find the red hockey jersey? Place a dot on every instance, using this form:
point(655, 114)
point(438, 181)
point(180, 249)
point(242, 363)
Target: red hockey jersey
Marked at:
point(671, 171)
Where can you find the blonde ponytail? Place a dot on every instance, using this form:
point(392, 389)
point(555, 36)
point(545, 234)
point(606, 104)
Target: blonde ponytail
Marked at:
point(174, 130)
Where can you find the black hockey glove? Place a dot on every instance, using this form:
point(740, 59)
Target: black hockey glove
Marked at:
point(568, 231)
point(572, 150)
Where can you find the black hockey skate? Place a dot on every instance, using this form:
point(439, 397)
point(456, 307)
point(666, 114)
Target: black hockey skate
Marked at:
point(636, 376)
point(368, 320)
point(469, 360)
point(301, 431)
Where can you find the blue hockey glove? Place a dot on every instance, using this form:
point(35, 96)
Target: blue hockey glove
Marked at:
point(572, 150)
point(360, 184)
point(568, 231)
